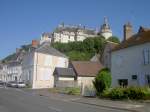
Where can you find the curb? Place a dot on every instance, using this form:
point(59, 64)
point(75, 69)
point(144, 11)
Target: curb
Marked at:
point(111, 107)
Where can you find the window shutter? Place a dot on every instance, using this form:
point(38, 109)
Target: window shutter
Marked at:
point(146, 56)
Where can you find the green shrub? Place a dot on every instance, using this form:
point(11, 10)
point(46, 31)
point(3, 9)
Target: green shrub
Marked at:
point(72, 91)
point(106, 94)
point(137, 92)
point(118, 93)
point(102, 81)
point(133, 93)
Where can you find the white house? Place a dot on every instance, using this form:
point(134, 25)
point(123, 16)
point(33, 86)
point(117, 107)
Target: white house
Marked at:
point(39, 65)
point(130, 60)
point(14, 71)
point(11, 71)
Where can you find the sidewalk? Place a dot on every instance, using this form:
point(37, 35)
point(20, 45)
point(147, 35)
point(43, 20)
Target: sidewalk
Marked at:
point(120, 105)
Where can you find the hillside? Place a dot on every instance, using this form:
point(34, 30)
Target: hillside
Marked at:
point(82, 50)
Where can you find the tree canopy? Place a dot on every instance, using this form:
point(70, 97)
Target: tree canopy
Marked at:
point(79, 50)
point(114, 39)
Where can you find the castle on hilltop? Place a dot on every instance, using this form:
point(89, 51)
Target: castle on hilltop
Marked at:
point(69, 33)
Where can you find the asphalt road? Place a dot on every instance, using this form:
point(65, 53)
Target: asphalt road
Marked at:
point(17, 100)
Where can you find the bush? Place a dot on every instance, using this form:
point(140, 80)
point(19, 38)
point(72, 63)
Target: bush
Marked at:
point(102, 81)
point(74, 91)
point(66, 90)
point(133, 93)
point(71, 90)
point(118, 93)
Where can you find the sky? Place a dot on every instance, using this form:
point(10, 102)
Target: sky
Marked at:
point(21, 21)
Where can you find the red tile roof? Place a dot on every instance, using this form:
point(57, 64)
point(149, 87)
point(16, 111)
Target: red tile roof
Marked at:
point(86, 68)
point(143, 36)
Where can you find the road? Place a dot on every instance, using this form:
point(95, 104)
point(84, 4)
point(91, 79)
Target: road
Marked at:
point(17, 100)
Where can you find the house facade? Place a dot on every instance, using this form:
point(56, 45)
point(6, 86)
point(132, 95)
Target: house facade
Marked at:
point(39, 65)
point(12, 71)
point(130, 60)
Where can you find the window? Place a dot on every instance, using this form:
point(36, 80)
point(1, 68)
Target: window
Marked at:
point(48, 60)
point(146, 56)
point(123, 82)
point(134, 77)
point(148, 80)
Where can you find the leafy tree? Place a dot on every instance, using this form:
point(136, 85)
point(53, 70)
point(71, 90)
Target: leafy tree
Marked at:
point(89, 45)
point(78, 56)
point(114, 39)
point(79, 50)
point(102, 81)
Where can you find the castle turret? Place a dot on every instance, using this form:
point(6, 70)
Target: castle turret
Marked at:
point(105, 29)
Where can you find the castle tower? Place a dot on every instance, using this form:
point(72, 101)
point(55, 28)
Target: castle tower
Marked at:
point(46, 37)
point(127, 30)
point(105, 30)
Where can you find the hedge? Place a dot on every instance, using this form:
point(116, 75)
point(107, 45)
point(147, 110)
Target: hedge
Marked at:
point(133, 93)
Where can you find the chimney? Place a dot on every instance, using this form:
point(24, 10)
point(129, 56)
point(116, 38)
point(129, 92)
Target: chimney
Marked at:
point(127, 31)
point(35, 43)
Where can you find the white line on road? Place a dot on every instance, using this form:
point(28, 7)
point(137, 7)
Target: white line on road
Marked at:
point(55, 109)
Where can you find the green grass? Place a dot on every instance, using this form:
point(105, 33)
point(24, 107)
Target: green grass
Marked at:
point(67, 90)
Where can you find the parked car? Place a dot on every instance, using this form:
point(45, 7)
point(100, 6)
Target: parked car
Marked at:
point(2, 83)
point(12, 84)
point(21, 85)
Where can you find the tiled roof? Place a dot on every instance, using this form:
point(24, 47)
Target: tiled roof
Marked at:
point(86, 68)
point(64, 72)
point(47, 49)
point(143, 36)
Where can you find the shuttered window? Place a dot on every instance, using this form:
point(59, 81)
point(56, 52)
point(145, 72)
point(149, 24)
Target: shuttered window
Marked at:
point(146, 56)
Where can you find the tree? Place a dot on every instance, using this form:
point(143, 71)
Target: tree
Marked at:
point(89, 45)
point(114, 39)
point(102, 81)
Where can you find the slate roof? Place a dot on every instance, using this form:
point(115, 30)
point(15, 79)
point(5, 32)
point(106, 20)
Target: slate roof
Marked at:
point(86, 68)
point(74, 29)
point(47, 49)
point(143, 36)
point(64, 72)
point(13, 63)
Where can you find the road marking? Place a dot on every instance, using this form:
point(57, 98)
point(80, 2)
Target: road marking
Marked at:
point(55, 109)
point(73, 99)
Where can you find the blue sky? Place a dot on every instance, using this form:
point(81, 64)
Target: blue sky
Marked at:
point(24, 20)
